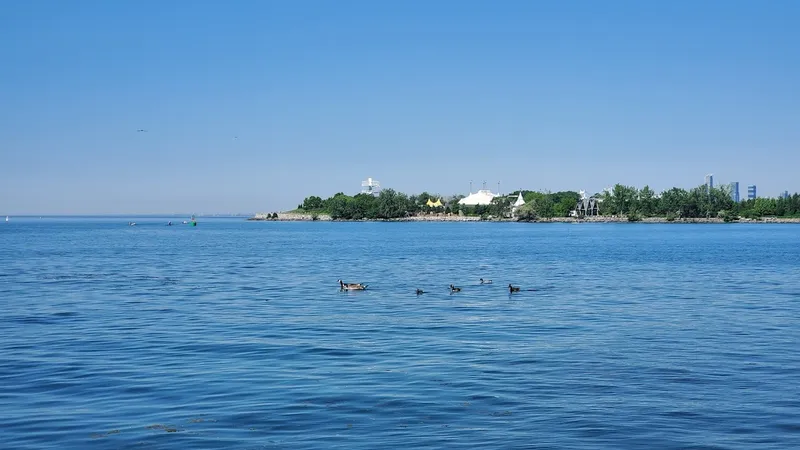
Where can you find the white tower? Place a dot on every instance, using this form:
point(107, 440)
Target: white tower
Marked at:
point(370, 186)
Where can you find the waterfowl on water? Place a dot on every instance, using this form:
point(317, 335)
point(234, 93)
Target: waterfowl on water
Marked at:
point(454, 289)
point(420, 292)
point(486, 281)
point(513, 288)
point(352, 286)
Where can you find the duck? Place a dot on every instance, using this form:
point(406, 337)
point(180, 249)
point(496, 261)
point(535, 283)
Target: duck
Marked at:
point(486, 281)
point(454, 289)
point(352, 286)
point(420, 292)
point(513, 288)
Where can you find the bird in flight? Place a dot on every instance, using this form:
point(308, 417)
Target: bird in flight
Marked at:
point(141, 131)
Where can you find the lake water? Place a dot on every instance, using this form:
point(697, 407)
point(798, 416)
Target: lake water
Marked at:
point(234, 334)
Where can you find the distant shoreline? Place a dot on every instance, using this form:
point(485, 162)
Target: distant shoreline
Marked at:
point(299, 217)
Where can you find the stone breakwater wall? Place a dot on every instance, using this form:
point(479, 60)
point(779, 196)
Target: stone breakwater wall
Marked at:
point(624, 219)
point(292, 217)
point(451, 218)
point(302, 217)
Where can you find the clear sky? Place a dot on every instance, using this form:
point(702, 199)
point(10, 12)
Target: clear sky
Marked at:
point(254, 105)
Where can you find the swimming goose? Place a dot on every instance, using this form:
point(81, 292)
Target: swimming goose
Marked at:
point(486, 281)
point(513, 288)
point(454, 289)
point(420, 292)
point(352, 286)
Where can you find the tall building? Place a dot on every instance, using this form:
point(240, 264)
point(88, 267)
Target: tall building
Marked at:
point(785, 195)
point(709, 181)
point(735, 191)
point(751, 192)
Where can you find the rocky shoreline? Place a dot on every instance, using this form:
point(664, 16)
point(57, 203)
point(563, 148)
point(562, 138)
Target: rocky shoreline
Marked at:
point(300, 217)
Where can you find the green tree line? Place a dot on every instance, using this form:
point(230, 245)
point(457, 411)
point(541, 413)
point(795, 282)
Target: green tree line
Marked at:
point(390, 204)
point(699, 202)
point(621, 200)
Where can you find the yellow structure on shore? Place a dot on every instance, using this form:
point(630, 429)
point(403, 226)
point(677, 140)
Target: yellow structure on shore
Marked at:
point(436, 204)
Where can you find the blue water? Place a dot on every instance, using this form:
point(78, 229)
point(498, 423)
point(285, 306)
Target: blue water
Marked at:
point(234, 334)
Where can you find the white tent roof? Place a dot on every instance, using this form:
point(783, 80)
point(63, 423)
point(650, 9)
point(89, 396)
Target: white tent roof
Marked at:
point(482, 197)
point(519, 201)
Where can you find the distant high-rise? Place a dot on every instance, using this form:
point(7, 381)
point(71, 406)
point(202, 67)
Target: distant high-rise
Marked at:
point(735, 191)
point(785, 195)
point(710, 181)
point(751, 192)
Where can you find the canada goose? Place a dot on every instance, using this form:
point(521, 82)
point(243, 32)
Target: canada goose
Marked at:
point(513, 288)
point(352, 286)
point(454, 289)
point(420, 292)
point(486, 281)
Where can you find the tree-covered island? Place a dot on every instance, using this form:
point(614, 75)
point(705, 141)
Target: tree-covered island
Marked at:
point(628, 202)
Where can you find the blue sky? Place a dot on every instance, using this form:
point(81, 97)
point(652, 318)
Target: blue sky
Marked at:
point(421, 95)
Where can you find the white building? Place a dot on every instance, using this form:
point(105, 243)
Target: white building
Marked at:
point(370, 186)
point(482, 197)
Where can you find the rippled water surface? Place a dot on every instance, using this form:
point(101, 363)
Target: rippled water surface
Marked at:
point(234, 334)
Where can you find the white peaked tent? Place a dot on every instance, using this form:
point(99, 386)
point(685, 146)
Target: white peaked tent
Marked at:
point(519, 201)
point(482, 197)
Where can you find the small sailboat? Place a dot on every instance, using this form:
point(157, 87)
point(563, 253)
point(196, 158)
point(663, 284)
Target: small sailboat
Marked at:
point(6, 218)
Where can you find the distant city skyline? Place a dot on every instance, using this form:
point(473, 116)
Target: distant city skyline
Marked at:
point(154, 107)
point(752, 189)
